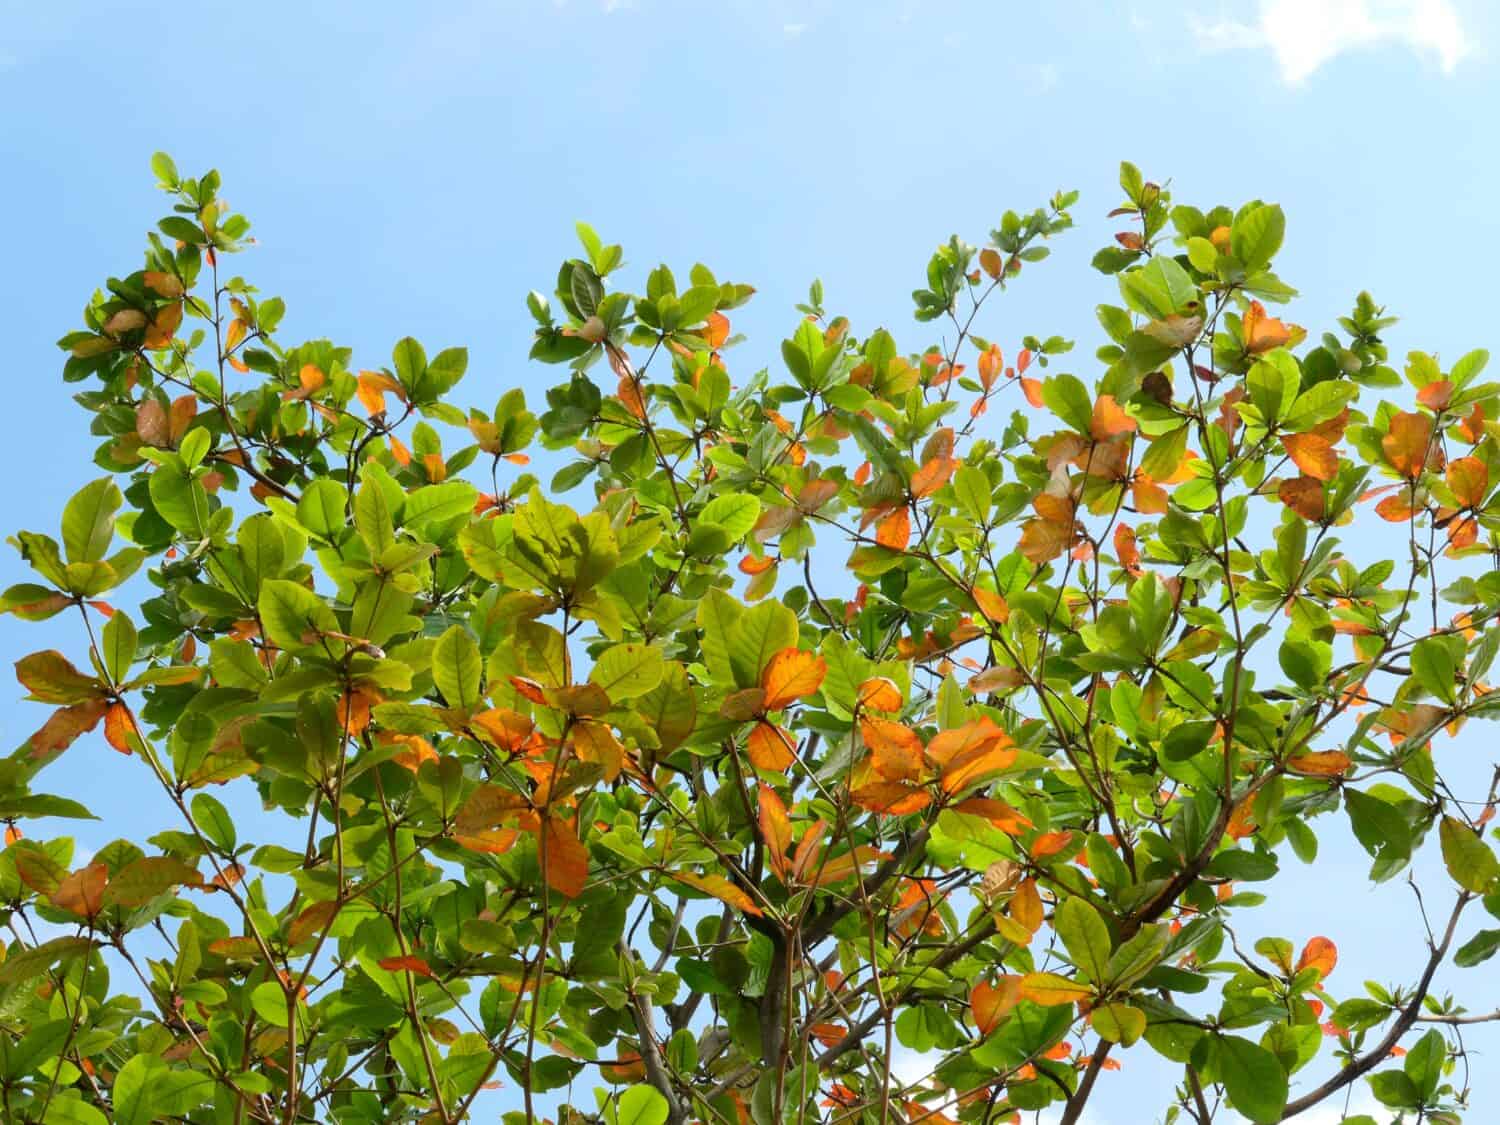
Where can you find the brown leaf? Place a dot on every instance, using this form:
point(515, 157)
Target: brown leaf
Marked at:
point(82, 892)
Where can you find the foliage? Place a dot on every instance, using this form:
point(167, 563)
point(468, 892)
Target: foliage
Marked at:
point(792, 723)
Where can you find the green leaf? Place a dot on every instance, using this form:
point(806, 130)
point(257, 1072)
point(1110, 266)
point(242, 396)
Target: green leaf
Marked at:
point(293, 616)
point(321, 509)
point(1478, 949)
point(119, 645)
point(1158, 289)
point(628, 671)
point(1434, 667)
point(1395, 1089)
point(166, 171)
point(1468, 858)
point(456, 668)
point(1381, 829)
point(214, 821)
point(1256, 235)
point(1253, 1078)
point(88, 523)
point(760, 634)
point(640, 1105)
point(1118, 1023)
point(1085, 937)
point(30, 963)
point(138, 882)
point(736, 513)
point(972, 487)
point(411, 363)
point(1069, 399)
point(180, 499)
point(1424, 1063)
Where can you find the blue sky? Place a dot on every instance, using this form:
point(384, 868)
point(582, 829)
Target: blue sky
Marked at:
point(416, 171)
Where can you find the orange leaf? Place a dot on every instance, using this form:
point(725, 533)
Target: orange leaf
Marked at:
point(509, 730)
point(372, 388)
point(495, 841)
point(893, 798)
point(991, 1003)
point(998, 679)
point(119, 727)
point(1050, 843)
point(752, 565)
point(716, 331)
point(1319, 953)
point(975, 764)
point(720, 888)
point(828, 1034)
point(880, 694)
point(1032, 389)
point(1472, 427)
point(991, 363)
point(1303, 495)
point(775, 828)
point(1469, 479)
point(1407, 442)
point(1436, 396)
point(896, 749)
point(1312, 454)
point(1148, 497)
point(1263, 333)
point(410, 963)
point(770, 747)
point(399, 451)
point(629, 393)
point(1110, 419)
point(894, 531)
point(310, 380)
point(1026, 906)
point(790, 675)
point(992, 605)
point(566, 861)
point(979, 734)
point(1127, 554)
point(164, 326)
point(932, 476)
point(1396, 508)
point(1320, 763)
point(529, 689)
point(596, 743)
point(997, 812)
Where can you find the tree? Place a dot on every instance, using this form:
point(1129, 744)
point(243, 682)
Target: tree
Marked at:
point(859, 706)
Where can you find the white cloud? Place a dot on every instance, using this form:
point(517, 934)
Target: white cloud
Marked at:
point(1305, 34)
point(793, 30)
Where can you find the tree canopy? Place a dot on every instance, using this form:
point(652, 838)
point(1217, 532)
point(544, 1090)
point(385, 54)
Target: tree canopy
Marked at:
point(878, 700)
